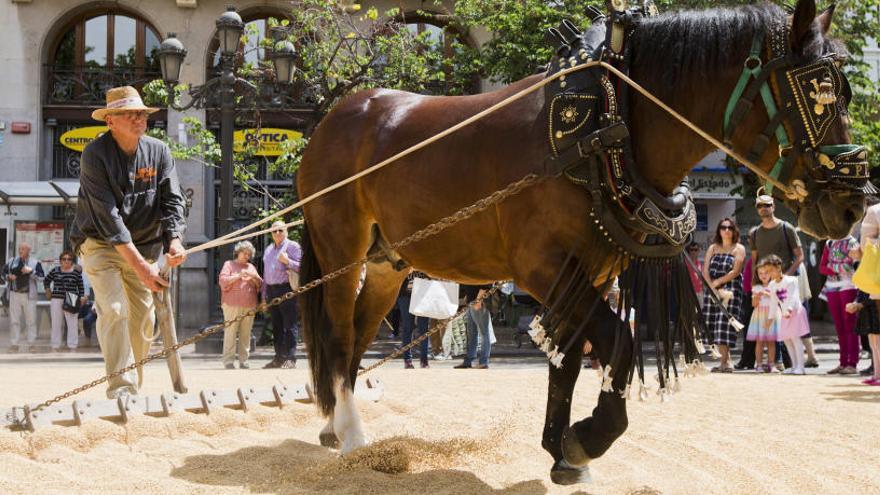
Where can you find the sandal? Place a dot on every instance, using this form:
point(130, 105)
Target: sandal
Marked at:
point(727, 370)
point(717, 369)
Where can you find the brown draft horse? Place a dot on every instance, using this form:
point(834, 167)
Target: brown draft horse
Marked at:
point(691, 60)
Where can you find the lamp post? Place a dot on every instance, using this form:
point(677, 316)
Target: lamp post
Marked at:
point(229, 31)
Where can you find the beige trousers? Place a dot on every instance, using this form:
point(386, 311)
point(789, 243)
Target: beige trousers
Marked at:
point(21, 304)
point(125, 312)
point(240, 329)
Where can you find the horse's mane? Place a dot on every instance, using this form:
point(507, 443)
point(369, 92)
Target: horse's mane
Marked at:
point(697, 45)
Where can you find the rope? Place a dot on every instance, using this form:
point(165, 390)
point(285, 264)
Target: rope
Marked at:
point(420, 235)
point(235, 236)
point(428, 231)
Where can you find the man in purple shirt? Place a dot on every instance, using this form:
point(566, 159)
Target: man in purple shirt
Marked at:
point(281, 261)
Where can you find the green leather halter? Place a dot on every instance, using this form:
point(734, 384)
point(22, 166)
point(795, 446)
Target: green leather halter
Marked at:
point(752, 69)
point(814, 97)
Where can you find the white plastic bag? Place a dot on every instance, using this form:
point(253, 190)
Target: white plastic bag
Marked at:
point(434, 299)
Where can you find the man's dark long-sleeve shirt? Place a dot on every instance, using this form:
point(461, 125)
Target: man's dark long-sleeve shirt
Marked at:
point(125, 198)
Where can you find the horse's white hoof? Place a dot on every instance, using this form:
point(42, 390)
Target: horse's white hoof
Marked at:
point(564, 473)
point(352, 443)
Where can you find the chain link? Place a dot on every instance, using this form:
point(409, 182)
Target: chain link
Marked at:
point(420, 235)
point(436, 328)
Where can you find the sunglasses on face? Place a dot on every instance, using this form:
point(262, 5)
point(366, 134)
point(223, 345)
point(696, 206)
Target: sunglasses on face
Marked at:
point(726, 227)
point(135, 115)
point(763, 206)
point(277, 231)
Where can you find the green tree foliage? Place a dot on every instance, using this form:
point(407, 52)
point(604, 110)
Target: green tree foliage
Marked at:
point(343, 48)
point(517, 47)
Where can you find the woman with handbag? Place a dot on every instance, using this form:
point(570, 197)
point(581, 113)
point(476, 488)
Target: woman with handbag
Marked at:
point(66, 293)
point(240, 285)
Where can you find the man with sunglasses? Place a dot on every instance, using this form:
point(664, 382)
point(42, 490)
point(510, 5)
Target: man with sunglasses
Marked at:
point(130, 210)
point(281, 261)
point(775, 236)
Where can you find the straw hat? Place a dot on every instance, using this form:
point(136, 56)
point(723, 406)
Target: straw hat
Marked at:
point(120, 100)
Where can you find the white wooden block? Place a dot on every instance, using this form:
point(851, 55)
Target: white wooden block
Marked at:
point(251, 396)
point(222, 398)
point(85, 410)
point(61, 413)
point(172, 402)
point(302, 394)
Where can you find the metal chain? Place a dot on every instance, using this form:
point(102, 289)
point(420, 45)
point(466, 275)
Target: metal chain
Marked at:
point(436, 328)
point(420, 235)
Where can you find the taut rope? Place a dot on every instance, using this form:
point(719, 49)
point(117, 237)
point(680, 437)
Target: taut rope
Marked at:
point(235, 236)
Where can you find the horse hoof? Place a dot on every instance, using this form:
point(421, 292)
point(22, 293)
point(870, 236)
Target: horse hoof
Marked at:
point(564, 473)
point(572, 450)
point(351, 444)
point(329, 440)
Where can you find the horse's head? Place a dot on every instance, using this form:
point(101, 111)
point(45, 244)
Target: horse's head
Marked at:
point(806, 96)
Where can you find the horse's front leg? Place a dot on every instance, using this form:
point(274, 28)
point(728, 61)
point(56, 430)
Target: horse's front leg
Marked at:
point(559, 395)
point(588, 439)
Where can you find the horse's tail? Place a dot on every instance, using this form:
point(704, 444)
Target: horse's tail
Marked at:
point(316, 329)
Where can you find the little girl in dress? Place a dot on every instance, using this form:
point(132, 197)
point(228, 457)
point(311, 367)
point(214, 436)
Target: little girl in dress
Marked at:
point(786, 308)
point(763, 326)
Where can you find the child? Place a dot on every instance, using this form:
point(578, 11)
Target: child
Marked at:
point(763, 329)
point(789, 311)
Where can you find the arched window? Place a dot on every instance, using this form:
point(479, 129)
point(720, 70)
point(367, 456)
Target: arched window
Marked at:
point(98, 51)
point(94, 51)
point(257, 27)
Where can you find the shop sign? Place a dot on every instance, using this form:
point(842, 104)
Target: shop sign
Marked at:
point(77, 139)
point(715, 185)
point(266, 141)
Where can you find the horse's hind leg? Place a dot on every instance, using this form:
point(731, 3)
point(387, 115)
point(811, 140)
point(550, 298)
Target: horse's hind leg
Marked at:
point(373, 303)
point(337, 245)
point(376, 299)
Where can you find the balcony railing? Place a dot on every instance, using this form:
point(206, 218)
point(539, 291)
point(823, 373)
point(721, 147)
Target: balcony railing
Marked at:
point(87, 86)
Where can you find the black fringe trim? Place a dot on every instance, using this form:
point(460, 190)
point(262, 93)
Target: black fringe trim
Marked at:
point(648, 289)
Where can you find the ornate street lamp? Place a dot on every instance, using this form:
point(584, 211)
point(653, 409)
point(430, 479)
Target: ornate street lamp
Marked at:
point(229, 31)
point(282, 58)
point(171, 55)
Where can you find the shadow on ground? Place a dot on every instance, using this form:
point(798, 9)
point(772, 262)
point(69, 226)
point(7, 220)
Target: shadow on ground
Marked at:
point(294, 467)
point(854, 393)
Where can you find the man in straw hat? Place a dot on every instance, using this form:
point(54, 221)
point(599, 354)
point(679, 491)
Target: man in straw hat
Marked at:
point(130, 209)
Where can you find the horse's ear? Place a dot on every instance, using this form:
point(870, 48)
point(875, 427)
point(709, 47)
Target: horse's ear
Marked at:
point(825, 19)
point(802, 23)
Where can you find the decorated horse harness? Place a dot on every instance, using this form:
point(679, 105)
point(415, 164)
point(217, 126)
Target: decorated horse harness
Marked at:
point(586, 114)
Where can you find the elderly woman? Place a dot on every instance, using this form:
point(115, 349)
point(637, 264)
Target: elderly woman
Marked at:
point(239, 285)
point(64, 282)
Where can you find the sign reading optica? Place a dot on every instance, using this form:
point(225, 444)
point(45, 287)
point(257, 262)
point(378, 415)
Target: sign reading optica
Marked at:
point(77, 139)
point(266, 140)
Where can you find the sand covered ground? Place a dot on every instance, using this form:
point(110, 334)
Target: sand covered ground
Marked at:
point(455, 431)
